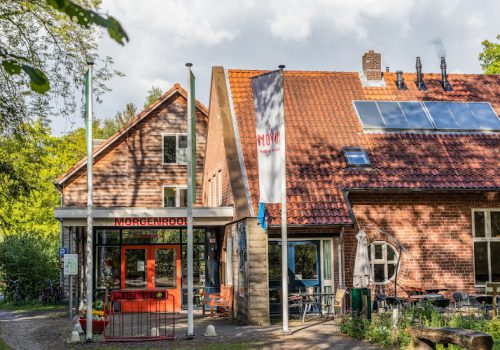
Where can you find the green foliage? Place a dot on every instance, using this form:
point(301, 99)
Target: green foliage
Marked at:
point(44, 51)
point(122, 118)
point(86, 18)
point(379, 329)
point(490, 57)
point(27, 262)
point(153, 95)
point(13, 63)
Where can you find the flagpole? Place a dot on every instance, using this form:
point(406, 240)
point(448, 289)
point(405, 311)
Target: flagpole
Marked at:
point(90, 205)
point(190, 330)
point(284, 238)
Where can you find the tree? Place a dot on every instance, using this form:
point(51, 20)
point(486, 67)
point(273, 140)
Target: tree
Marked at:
point(153, 94)
point(490, 57)
point(44, 47)
point(122, 118)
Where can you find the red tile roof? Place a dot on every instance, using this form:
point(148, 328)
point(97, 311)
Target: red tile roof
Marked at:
point(320, 120)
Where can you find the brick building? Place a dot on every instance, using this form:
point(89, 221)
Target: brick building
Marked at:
point(409, 158)
point(412, 159)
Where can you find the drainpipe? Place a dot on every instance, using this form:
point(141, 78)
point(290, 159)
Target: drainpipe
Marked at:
point(340, 248)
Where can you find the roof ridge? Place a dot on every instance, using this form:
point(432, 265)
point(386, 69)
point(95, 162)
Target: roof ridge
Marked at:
point(110, 140)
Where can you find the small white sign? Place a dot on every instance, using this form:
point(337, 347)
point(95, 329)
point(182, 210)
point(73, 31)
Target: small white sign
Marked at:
point(140, 266)
point(71, 264)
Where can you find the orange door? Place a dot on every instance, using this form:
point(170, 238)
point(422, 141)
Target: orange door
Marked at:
point(152, 267)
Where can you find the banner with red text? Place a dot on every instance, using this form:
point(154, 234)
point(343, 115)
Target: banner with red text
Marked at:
point(269, 124)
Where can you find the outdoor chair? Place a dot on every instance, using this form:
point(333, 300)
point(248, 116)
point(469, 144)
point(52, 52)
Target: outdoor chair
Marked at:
point(222, 303)
point(338, 301)
point(464, 301)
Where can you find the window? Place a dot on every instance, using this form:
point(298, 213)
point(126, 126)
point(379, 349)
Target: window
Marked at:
point(383, 259)
point(219, 188)
point(486, 233)
point(175, 149)
point(174, 196)
point(356, 157)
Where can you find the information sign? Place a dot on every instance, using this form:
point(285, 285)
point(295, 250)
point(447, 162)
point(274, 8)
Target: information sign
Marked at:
point(70, 264)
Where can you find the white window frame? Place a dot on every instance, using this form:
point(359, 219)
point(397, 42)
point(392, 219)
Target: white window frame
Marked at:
point(177, 194)
point(209, 193)
point(487, 238)
point(219, 188)
point(176, 147)
point(214, 190)
point(383, 261)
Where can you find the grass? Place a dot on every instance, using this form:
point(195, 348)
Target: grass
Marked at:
point(3, 346)
point(28, 307)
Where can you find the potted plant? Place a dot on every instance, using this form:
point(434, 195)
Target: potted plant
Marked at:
point(98, 320)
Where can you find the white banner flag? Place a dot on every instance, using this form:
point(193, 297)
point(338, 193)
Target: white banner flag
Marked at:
point(269, 124)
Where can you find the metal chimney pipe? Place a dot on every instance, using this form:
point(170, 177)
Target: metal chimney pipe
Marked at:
point(400, 82)
point(444, 77)
point(420, 80)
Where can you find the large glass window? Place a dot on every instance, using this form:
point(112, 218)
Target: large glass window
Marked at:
point(108, 267)
point(151, 236)
point(274, 258)
point(383, 259)
point(135, 268)
point(306, 262)
point(174, 149)
point(486, 231)
point(166, 268)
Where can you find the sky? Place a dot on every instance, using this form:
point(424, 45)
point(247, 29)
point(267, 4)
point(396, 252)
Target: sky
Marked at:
point(329, 35)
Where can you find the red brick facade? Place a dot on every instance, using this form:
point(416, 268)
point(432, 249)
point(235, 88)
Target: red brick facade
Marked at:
point(436, 228)
point(215, 159)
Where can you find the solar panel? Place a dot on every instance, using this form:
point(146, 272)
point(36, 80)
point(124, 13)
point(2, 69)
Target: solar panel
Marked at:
point(485, 115)
point(463, 116)
point(369, 114)
point(437, 115)
point(393, 115)
point(416, 116)
point(441, 115)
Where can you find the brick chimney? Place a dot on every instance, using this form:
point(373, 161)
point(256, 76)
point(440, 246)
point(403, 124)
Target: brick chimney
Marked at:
point(372, 65)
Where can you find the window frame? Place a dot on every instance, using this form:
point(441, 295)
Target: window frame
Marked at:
point(487, 239)
point(383, 261)
point(177, 135)
point(177, 195)
point(346, 150)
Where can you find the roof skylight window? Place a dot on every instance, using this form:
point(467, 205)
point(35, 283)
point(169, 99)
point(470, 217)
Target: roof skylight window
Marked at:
point(356, 157)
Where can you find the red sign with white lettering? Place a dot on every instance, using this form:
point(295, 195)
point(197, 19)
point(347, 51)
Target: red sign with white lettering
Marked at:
point(150, 221)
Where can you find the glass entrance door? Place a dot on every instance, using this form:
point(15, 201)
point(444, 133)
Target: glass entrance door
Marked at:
point(152, 267)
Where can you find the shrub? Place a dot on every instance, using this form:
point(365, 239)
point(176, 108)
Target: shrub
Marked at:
point(27, 262)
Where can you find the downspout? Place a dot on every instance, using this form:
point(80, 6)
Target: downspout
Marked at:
point(340, 248)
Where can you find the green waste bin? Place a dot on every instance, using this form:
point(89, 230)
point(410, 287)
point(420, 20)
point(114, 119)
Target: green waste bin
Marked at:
point(357, 296)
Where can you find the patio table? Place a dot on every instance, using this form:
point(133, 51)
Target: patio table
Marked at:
point(317, 299)
point(421, 297)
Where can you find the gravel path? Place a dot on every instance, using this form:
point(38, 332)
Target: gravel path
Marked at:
point(33, 330)
point(40, 330)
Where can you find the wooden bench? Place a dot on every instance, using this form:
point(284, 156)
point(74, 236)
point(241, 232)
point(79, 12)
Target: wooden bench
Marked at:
point(222, 302)
point(424, 338)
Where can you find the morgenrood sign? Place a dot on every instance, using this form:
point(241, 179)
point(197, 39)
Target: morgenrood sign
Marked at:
point(150, 221)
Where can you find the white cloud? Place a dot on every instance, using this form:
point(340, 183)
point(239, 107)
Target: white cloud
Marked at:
point(307, 35)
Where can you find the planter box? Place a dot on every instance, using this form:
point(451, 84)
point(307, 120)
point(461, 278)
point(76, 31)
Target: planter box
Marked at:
point(97, 325)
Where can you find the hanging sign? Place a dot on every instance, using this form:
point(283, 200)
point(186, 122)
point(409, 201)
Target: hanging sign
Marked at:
point(70, 264)
point(269, 127)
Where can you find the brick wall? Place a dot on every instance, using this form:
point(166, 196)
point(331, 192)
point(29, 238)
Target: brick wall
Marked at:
point(372, 65)
point(436, 229)
point(215, 158)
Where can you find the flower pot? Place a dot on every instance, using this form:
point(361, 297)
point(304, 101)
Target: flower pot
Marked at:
point(97, 325)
